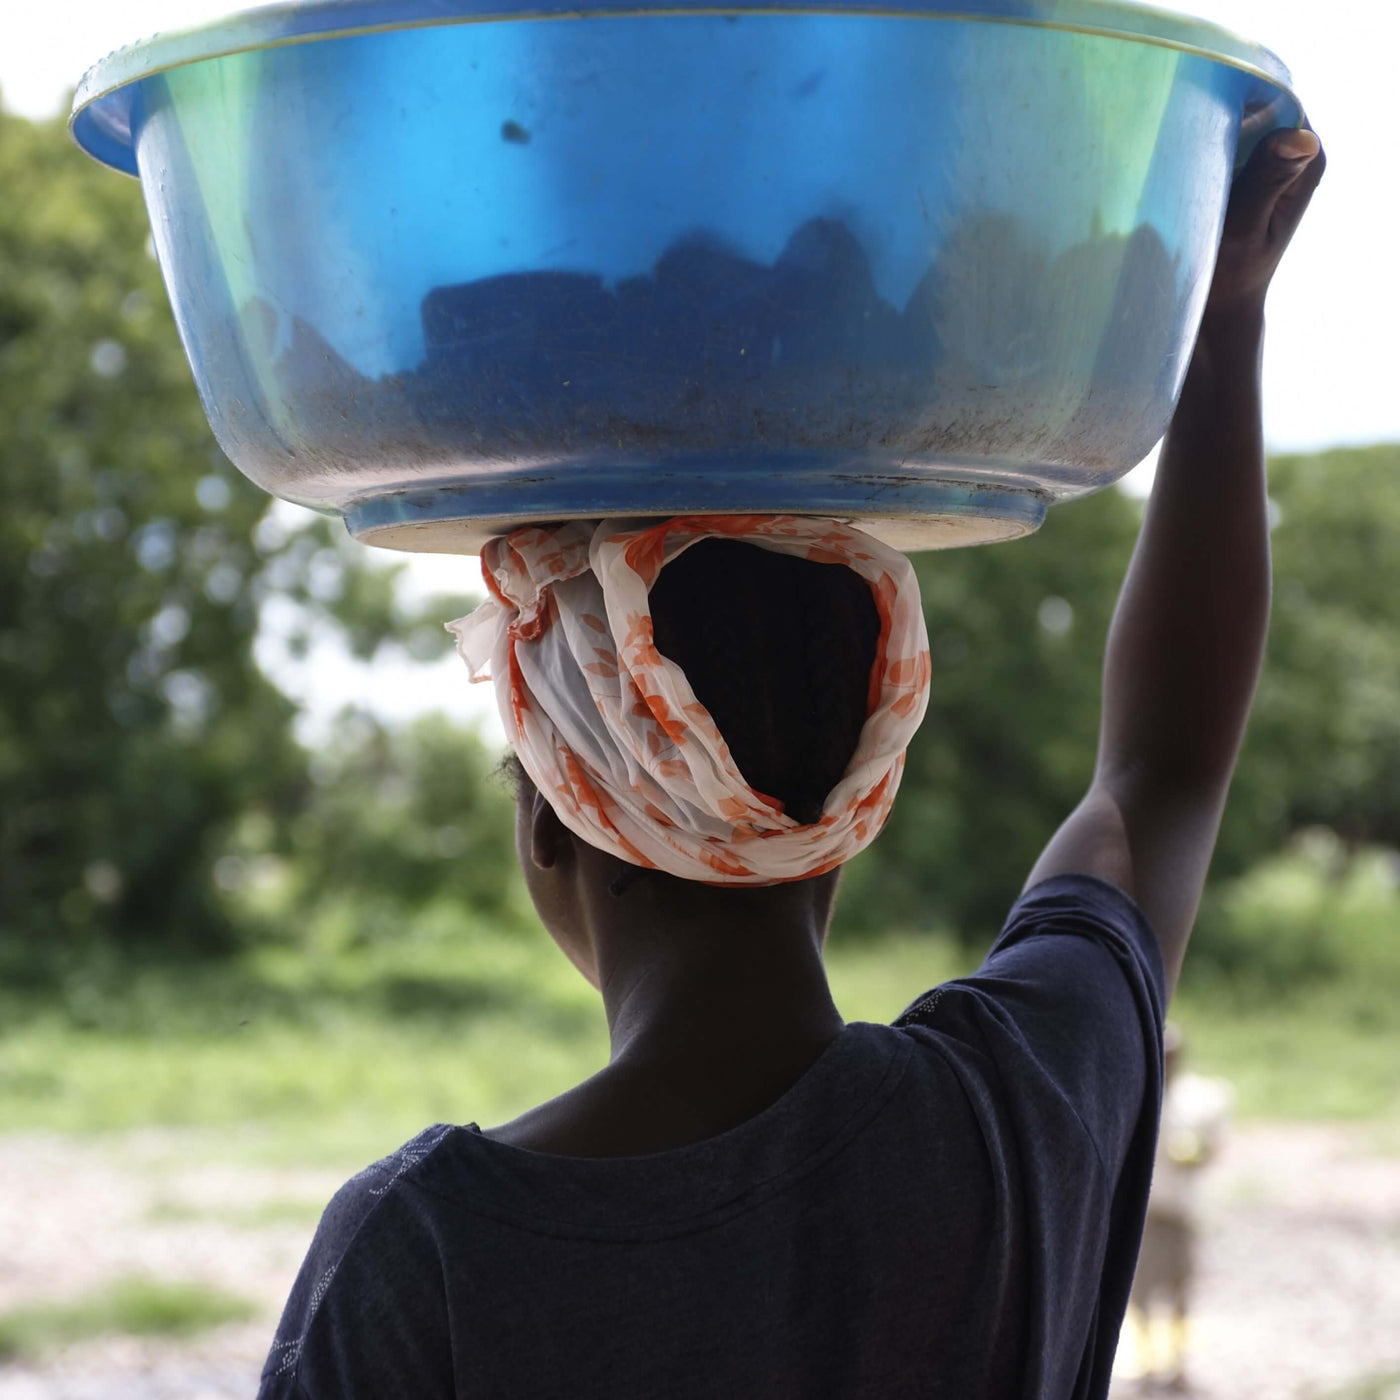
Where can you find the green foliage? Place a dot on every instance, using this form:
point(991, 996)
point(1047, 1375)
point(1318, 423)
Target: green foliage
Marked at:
point(139, 741)
point(1016, 633)
point(1326, 1053)
point(259, 1216)
point(1382, 1385)
point(133, 722)
point(1008, 745)
point(1324, 740)
point(339, 1051)
point(151, 791)
point(1315, 914)
point(137, 1306)
point(399, 820)
point(339, 1048)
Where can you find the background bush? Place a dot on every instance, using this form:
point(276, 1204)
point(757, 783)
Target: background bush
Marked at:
point(153, 795)
point(137, 733)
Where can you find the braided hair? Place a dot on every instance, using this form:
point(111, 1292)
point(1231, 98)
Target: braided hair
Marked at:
point(779, 650)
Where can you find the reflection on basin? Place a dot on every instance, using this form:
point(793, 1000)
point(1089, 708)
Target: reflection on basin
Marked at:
point(929, 274)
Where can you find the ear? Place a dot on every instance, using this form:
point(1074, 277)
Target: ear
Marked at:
point(549, 837)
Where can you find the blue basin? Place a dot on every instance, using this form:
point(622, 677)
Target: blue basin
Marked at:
point(441, 269)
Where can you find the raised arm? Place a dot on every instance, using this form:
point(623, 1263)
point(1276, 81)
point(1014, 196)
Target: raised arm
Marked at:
point(1187, 637)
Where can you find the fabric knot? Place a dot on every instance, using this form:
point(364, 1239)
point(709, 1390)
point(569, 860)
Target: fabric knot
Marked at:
point(610, 731)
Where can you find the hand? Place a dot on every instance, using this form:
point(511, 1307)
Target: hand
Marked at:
point(1267, 204)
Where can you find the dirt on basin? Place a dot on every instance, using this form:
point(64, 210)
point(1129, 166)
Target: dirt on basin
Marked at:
point(1298, 1295)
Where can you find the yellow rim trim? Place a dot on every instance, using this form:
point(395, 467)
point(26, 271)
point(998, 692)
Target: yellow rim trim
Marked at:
point(85, 100)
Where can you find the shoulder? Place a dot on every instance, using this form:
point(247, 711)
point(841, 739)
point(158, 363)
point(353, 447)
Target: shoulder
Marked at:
point(1083, 906)
point(1083, 942)
point(371, 1241)
point(1072, 941)
point(368, 1187)
point(352, 1207)
point(1064, 1016)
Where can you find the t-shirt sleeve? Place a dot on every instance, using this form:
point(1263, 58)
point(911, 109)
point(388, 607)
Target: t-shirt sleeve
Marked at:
point(1059, 1036)
point(1078, 972)
point(367, 1315)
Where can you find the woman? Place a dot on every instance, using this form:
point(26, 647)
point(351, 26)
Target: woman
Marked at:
point(752, 1198)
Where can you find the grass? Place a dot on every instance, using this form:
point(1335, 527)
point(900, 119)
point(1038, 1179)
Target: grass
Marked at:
point(1331, 1054)
point(251, 1217)
point(328, 1053)
point(1378, 1387)
point(1314, 1030)
point(336, 1054)
point(136, 1306)
point(1385, 1139)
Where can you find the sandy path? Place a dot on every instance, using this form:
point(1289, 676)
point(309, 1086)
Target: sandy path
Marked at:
point(1299, 1291)
point(1299, 1295)
point(74, 1214)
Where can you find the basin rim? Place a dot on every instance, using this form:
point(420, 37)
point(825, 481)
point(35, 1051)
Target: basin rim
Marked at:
point(309, 21)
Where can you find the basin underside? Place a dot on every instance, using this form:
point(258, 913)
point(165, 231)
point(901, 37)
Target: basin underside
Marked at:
point(906, 511)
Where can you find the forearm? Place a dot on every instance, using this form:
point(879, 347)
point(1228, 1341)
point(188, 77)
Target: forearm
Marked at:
point(1187, 638)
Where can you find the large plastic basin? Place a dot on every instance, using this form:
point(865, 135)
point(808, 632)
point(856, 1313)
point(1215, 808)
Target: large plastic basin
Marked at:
point(441, 270)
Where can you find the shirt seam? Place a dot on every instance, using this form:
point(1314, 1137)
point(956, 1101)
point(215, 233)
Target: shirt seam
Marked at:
point(1146, 954)
point(1059, 1094)
point(753, 1197)
point(318, 1309)
point(1156, 967)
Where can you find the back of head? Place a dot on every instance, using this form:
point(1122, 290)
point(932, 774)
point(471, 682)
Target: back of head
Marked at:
point(779, 650)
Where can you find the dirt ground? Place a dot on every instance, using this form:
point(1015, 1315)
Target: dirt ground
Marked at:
point(1298, 1298)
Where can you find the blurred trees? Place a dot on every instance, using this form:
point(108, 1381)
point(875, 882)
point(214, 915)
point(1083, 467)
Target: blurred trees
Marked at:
point(1324, 739)
point(1315, 912)
point(397, 820)
point(133, 723)
point(1017, 631)
point(150, 783)
point(136, 731)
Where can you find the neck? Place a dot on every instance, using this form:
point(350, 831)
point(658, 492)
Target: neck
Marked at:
point(715, 977)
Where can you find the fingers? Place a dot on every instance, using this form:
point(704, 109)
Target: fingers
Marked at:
point(1294, 198)
point(1284, 170)
point(1300, 143)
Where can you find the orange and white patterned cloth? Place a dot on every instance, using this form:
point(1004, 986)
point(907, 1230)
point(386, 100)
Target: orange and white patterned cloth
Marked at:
point(610, 731)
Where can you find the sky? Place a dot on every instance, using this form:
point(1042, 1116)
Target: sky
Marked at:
point(1332, 369)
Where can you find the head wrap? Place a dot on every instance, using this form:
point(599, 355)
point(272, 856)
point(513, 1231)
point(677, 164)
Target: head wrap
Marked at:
point(613, 736)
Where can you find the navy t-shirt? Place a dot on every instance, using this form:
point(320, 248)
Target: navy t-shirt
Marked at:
point(947, 1207)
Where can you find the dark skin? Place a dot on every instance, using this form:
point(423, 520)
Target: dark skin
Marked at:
point(1187, 638)
point(717, 999)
